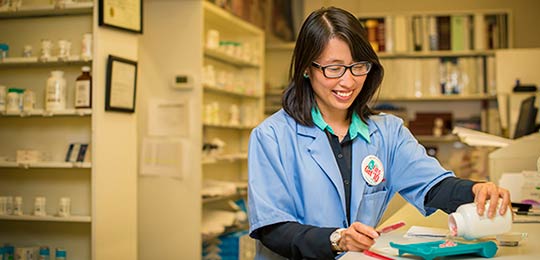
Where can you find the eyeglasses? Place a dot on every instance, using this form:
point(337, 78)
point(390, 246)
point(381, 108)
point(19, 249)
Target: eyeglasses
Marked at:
point(333, 71)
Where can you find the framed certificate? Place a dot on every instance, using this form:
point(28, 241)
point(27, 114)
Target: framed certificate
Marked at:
point(121, 14)
point(121, 85)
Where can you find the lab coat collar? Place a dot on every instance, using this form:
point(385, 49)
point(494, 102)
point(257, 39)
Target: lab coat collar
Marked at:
point(357, 127)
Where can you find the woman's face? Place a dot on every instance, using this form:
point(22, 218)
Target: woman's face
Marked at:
point(335, 95)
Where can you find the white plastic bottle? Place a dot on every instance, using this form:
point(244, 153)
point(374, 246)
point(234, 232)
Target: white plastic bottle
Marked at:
point(466, 222)
point(55, 96)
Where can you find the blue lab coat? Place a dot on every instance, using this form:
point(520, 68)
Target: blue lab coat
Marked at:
point(294, 176)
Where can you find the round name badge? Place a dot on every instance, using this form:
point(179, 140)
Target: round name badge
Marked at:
point(372, 170)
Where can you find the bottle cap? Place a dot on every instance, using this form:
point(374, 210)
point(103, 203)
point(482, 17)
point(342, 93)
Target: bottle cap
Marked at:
point(86, 68)
point(60, 252)
point(57, 73)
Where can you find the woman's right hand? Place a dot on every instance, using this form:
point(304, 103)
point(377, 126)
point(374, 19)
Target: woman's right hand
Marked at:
point(357, 237)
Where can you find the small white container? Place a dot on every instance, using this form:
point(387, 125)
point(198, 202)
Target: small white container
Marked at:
point(13, 101)
point(55, 94)
point(3, 205)
point(466, 222)
point(29, 101)
point(40, 205)
point(17, 206)
point(86, 47)
point(46, 50)
point(3, 94)
point(64, 207)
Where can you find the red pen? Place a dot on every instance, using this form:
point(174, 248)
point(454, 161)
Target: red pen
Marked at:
point(391, 227)
point(376, 255)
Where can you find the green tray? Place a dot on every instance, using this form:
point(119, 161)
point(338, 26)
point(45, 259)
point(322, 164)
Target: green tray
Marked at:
point(430, 250)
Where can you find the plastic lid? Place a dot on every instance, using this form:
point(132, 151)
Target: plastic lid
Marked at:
point(57, 73)
point(44, 251)
point(86, 68)
point(60, 252)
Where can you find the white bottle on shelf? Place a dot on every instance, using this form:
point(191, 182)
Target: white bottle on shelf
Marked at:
point(55, 94)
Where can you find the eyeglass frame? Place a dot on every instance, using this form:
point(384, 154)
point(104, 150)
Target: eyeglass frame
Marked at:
point(349, 67)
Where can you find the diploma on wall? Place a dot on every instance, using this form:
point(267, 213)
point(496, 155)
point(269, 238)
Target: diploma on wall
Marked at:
point(121, 14)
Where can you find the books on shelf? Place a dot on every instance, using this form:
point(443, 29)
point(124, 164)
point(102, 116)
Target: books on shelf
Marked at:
point(402, 33)
point(429, 77)
point(78, 152)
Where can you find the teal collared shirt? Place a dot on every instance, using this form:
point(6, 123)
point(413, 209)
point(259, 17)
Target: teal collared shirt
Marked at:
point(357, 127)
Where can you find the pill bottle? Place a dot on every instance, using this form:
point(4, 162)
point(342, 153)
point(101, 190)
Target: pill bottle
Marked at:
point(3, 94)
point(44, 253)
point(29, 101)
point(60, 254)
point(466, 222)
point(17, 206)
point(86, 47)
point(83, 89)
point(40, 205)
point(55, 93)
point(13, 101)
point(64, 207)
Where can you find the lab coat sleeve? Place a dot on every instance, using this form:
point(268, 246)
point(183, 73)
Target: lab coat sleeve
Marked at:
point(269, 195)
point(413, 172)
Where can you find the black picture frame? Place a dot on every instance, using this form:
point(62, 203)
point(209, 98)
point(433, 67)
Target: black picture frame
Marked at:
point(121, 85)
point(125, 15)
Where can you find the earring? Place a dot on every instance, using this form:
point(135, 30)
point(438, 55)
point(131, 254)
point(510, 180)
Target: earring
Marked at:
point(306, 75)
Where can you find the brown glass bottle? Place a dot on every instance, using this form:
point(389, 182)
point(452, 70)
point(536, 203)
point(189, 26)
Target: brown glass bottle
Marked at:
point(83, 89)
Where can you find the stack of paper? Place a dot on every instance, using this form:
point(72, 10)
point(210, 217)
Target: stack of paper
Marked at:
point(477, 138)
point(429, 232)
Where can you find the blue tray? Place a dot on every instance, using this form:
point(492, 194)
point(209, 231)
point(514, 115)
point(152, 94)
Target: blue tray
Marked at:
point(430, 250)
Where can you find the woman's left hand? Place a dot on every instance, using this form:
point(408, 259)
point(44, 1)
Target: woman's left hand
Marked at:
point(489, 191)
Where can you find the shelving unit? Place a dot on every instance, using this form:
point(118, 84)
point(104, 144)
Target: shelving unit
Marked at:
point(238, 84)
point(44, 131)
point(76, 219)
point(96, 187)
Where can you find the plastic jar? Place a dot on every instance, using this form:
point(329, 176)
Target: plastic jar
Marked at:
point(466, 222)
point(13, 101)
point(29, 101)
point(3, 94)
point(55, 94)
point(86, 47)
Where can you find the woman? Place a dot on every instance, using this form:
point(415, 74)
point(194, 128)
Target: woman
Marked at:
point(323, 169)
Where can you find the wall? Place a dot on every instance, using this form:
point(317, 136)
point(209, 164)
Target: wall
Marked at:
point(169, 213)
point(114, 171)
point(526, 20)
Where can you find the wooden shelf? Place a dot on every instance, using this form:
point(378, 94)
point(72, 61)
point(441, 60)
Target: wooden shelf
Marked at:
point(437, 139)
point(222, 198)
point(76, 219)
point(216, 15)
point(435, 54)
point(42, 113)
point(472, 97)
point(225, 158)
point(35, 62)
point(232, 60)
point(218, 90)
point(237, 127)
point(47, 10)
point(53, 165)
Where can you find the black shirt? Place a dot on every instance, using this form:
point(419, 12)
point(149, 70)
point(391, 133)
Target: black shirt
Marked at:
point(297, 241)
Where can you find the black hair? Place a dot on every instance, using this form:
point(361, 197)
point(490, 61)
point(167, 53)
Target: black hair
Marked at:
point(317, 30)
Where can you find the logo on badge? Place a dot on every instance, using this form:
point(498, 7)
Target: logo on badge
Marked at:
point(372, 170)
